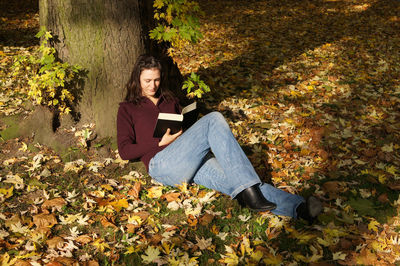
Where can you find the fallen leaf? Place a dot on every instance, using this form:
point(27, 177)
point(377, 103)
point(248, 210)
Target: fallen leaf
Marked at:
point(55, 242)
point(151, 254)
point(57, 203)
point(383, 198)
point(169, 197)
point(119, 204)
point(106, 223)
point(83, 239)
point(134, 192)
point(206, 219)
point(44, 220)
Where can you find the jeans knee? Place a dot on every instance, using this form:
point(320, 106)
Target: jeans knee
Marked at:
point(216, 116)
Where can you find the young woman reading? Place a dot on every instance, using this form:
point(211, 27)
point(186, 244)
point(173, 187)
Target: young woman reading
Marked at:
point(207, 153)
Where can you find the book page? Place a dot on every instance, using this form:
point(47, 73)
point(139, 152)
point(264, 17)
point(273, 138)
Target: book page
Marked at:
point(167, 116)
point(189, 108)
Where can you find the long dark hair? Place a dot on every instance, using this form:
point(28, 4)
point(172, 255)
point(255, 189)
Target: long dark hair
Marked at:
point(133, 88)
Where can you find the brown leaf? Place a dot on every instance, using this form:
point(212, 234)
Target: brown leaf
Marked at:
point(57, 203)
point(44, 220)
point(210, 261)
point(54, 263)
point(43, 230)
point(83, 239)
point(130, 228)
point(92, 263)
point(383, 198)
point(271, 234)
point(321, 263)
point(143, 215)
point(134, 192)
point(155, 239)
point(370, 153)
point(332, 188)
point(171, 196)
point(21, 263)
point(66, 261)
point(394, 185)
point(106, 223)
point(55, 242)
point(323, 154)
point(206, 219)
point(345, 244)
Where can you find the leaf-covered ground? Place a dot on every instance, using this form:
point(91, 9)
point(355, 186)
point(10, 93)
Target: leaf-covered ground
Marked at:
point(311, 90)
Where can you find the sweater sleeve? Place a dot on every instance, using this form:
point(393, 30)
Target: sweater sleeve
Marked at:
point(128, 149)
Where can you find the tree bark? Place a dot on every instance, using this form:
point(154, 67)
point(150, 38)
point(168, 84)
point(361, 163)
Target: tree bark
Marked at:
point(105, 38)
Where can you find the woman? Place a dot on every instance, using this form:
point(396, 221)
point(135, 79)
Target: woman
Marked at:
point(186, 156)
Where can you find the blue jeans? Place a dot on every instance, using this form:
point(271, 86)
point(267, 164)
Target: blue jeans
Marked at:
point(229, 171)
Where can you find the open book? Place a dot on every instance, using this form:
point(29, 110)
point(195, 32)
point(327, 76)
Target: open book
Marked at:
point(176, 122)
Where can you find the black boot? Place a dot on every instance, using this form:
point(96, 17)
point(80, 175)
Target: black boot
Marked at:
point(309, 210)
point(253, 198)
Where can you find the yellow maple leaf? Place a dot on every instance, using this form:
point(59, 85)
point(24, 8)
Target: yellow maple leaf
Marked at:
point(119, 204)
point(183, 187)
point(100, 245)
point(155, 192)
point(230, 259)
point(378, 245)
point(391, 169)
point(7, 192)
point(167, 247)
point(382, 179)
point(373, 225)
point(107, 187)
point(131, 250)
point(5, 260)
point(134, 219)
point(256, 256)
point(24, 147)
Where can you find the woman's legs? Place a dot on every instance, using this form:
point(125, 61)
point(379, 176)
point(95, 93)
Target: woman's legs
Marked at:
point(180, 161)
point(229, 172)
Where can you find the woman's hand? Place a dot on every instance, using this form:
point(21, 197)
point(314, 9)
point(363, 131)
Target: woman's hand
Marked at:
point(168, 138)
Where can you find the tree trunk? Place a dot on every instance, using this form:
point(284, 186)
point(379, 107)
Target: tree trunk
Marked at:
point(105, 38)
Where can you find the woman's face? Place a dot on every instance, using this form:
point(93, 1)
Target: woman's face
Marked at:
point(150, 81)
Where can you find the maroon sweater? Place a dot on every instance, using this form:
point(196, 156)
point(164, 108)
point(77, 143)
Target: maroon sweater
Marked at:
point(135, 126)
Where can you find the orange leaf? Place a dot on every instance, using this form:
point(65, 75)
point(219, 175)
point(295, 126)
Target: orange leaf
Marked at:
point(106, 223)
point(171, 196)
point(134, 192)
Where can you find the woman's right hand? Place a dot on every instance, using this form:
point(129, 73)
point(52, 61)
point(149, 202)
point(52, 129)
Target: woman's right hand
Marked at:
point(168, 138)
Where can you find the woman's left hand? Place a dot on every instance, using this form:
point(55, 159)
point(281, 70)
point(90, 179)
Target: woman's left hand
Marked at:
point(168, 138)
